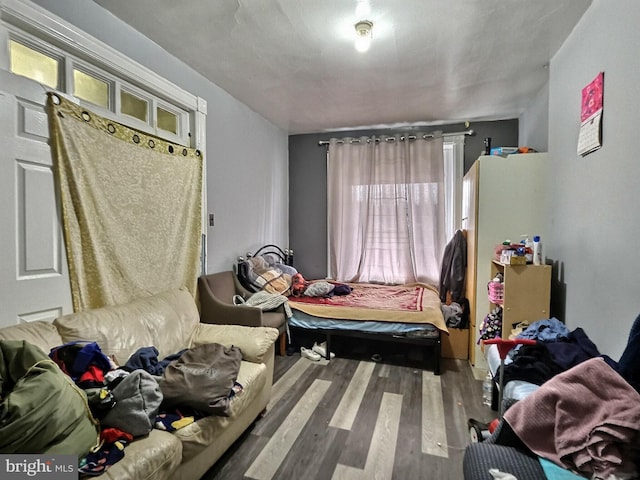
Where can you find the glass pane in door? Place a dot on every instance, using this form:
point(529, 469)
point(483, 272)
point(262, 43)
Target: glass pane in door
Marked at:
point(167, 121)
point(133, 106)
point(33, 64)
point(90, 88)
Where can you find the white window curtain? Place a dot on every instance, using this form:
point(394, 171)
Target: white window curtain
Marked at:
point(386, 209)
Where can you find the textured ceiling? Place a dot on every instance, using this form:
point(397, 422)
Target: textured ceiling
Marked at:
point(431, 61)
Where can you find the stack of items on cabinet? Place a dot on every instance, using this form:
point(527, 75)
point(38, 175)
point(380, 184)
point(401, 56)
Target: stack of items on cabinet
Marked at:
point(579, 416)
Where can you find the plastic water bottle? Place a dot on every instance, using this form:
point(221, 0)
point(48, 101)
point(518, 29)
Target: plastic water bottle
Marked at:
point(487, 389)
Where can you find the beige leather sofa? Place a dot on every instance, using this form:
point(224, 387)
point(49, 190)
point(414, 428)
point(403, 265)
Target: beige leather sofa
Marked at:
point(170, 322)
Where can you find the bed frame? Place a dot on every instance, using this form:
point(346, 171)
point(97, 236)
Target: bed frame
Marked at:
point(432, 345)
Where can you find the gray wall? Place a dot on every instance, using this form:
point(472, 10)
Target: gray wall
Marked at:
point(594, 220)
point(534, 122)
point(247, 158)
point(308, 184)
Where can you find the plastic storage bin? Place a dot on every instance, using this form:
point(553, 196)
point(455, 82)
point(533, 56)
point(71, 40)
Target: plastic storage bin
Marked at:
point(496, 292)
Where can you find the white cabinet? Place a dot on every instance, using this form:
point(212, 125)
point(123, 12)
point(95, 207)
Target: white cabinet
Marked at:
point(503, 198)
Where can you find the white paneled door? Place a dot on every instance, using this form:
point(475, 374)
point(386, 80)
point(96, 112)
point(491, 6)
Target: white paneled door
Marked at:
point(34, 281)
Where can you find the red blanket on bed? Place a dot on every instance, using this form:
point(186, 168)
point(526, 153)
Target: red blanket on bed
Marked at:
point(413, 303)
point(382, 297)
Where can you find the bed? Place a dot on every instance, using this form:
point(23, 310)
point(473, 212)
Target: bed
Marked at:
point(403, 313)
point(409, 313)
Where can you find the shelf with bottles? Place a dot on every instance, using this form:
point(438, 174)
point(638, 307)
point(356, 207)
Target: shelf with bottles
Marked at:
point(527, 252)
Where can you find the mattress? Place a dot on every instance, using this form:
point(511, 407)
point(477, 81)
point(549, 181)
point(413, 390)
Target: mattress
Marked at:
point(304, 320)
point(416, 303)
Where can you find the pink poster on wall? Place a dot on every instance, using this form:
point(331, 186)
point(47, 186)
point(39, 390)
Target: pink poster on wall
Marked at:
point(592, 97)
point(590, 138)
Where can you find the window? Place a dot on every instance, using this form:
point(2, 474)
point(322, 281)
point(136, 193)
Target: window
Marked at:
point(453, 151)
point(33, 64)
point(392, 206)
point(38, 60)
point(134, 106)
point(90, 88)
point(387, 244)
point(167, 121)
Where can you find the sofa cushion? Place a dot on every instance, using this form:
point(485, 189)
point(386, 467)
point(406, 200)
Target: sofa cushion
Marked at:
point(39, 333)
point(253, 342)
point(153, 457)
point(198, 435)
point(165, 321)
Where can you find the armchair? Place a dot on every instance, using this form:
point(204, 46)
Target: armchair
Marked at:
point(216, 292)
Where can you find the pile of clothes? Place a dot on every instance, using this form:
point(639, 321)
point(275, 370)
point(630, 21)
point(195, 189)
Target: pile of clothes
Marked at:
point(491, 326)
point(125, 402)
point(557, 350)
point(585, 416)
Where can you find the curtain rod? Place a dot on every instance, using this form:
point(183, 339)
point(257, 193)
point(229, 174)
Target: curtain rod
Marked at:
point(409, 137)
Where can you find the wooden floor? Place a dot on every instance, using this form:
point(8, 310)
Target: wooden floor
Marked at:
point(354, 418)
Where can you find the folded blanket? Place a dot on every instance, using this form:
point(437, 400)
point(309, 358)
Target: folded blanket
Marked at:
point(267, 301)
point(582, 419)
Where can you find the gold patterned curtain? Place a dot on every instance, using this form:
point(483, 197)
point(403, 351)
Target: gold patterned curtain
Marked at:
point(131, 206)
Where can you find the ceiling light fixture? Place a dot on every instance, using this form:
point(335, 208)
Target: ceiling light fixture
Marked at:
point(363, 35)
